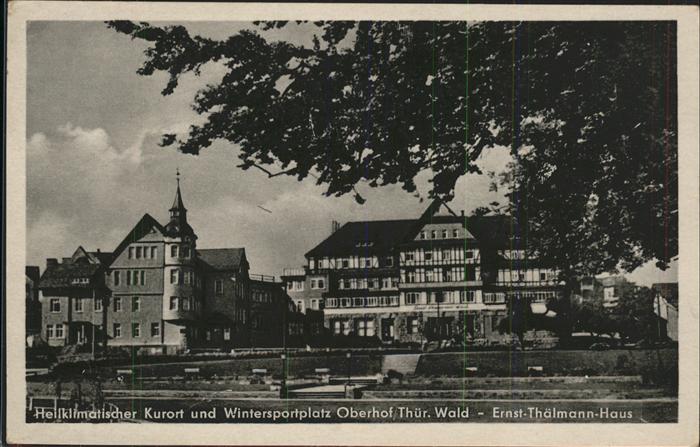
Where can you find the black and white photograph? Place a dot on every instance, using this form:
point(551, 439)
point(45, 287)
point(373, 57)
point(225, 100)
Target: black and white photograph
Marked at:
point(316, 222)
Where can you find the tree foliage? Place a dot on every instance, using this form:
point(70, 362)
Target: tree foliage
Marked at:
point(586, 108)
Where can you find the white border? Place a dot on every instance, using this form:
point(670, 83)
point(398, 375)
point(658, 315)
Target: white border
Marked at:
point(683, 433)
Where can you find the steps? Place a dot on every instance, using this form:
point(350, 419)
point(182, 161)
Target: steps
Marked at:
point(403, 363)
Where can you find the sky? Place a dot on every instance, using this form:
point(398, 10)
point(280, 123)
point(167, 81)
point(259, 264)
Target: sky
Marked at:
point(94, 167)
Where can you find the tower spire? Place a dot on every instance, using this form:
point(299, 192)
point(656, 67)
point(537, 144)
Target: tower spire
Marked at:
point(178, 225)
point(178, 207)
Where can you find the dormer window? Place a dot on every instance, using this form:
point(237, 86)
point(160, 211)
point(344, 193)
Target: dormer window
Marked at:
point(185, 251)
point(174, 251)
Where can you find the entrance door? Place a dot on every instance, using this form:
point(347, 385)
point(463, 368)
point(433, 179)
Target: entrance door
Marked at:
point(387, 329)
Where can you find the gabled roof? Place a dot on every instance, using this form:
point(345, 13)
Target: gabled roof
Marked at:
point(368, 237)
point(62, 275)
point(92, 257)
point(223, 258)
point(32, 272)
point(142, 228)
point(104, 258)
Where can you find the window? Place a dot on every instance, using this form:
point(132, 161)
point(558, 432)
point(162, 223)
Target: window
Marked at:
point(117, 304)
point(446, 255)
point(186, 303)
point(135, 304)
point(173, 251)
point(467, 296)
point(188, 277)
point(455, 233)
point(138, 252)
point(412, 325)
point(78, 305)
point(389, 261)
point(227, 333)
point(49, 331)
point(131, 252)
point(97, 305)
point(185, 251)
point(412, 297)
point(135, 330)
point(173, 303)
point(116, 277)
point(543, 276)
point(300, 305)
point(365, 328)
point(422, 234)
point(146, 252)
point(154, 252)
point(155, 329)
point(346, 263)
point(469, 254)
point(318, 284)
point(59, 331)
point(428, 255)
point(315, 304)
point(55, 305)
point(174, 276)
point(410, 276)
point(444, 234)
point(219, 286)
point(337, 327)
point(409, 256)
point(433, 234)
point(117, 330)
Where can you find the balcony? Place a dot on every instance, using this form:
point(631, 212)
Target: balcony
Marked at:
point(294, 272)
point(439, 284)
point(263, 278)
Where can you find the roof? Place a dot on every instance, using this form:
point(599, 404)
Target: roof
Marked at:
point(366, 237)
point(32, 272)
point(223, 258)
point(103, 257)
point(61, 275)
point(668, 290)
point(381, 236)
point(141, 228)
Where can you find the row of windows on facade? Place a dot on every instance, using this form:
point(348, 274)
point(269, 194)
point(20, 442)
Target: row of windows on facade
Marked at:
point(132, 277)
point(410, 298)
point(444, 233)
point(366, 327)
point(314, 283)
point(351, 262)
point(56, 331)
point(530, 275)
point(151, 251)
point(184, 303)
point(368, 283)
point(439, 274)
point(447, 297)
point(314, 303)
point(451, 254)
point(187, 278)
point(261, 297)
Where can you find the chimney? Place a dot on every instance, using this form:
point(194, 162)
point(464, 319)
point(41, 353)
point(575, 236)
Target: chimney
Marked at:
point(461, 213)
point(66, 260)
point(99, 251)
point(335, 225)
point(51, 262)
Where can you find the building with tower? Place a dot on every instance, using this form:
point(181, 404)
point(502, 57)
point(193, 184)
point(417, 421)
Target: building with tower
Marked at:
point(159, 293)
